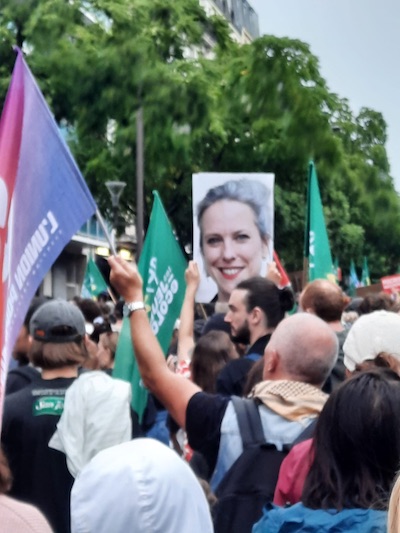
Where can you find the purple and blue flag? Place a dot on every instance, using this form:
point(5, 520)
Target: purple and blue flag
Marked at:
point(44, 200)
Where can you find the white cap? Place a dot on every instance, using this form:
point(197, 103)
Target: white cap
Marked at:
point(371, 335)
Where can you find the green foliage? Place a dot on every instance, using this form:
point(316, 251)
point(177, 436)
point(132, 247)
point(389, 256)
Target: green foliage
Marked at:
point(262, 107)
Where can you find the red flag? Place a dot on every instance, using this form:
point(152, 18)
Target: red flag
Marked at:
point(285, 281)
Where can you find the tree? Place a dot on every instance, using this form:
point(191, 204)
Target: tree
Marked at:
point(255, 108)
point(97, 74)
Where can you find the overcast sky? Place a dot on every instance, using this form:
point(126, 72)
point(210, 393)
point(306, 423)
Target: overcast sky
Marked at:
point(358, 45)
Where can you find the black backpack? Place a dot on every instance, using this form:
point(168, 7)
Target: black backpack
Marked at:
point(250, 482)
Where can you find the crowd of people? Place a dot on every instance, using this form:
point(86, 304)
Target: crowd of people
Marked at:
point(280, 419)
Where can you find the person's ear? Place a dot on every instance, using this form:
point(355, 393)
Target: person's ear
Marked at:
point(274, 361)
point(256, 315)
point(271, 362)
point(386, 360)
point(347, 373)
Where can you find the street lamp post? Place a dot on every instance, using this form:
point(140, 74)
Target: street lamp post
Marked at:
point(115, 189)
point(139, 180)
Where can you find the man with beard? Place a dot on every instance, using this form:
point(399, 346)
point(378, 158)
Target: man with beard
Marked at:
point(297, 360)
point(256, 307)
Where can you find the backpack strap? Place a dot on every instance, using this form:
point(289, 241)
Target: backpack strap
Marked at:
point(250, 426)
point(307, 433)
point(253, 356)
point(249, 420)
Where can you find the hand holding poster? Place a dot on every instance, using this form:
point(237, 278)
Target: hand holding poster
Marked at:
point(233, 230)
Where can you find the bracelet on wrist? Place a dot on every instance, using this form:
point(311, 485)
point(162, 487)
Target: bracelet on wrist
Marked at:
point(131, 307)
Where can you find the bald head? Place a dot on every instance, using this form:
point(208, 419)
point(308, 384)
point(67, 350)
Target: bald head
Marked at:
point(323, 298)
point(304, 348)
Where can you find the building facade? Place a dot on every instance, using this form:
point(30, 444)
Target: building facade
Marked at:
point(242, 18)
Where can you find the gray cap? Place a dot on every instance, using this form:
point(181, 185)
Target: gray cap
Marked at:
point(57, 321)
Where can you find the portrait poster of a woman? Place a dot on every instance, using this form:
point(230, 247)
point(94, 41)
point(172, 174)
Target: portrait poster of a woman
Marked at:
point(233, 230)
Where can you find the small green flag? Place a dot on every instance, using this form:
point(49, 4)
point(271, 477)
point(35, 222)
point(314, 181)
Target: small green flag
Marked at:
point(337, 270)
point(162, 266)
point(93, 282)
point(354, 282)
point(316, 247)
point(365, 279)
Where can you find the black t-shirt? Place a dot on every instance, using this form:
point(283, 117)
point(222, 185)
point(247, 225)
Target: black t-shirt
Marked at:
point(204, 416)
point(232, 378)
point(338, 374)
point(40, 473)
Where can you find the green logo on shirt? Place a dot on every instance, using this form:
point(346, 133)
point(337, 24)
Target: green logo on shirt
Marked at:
point(48, 405)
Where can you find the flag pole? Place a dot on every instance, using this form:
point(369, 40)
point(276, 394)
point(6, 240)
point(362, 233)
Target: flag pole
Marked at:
point(139, 179)
point(306, 274)
point(112, 247)
point(106, 232)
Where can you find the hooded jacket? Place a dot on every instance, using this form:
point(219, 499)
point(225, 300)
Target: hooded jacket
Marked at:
point(300, 518)
point(141, 485)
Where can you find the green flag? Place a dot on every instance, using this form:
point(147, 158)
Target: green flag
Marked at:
point(162, 266)
point(93, 282)
point(365, 279)
point(316, 247)
point(354, 282)
point(337, 270)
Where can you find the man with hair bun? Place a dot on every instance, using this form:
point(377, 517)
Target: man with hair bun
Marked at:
point(256, 307)
point(40, 474)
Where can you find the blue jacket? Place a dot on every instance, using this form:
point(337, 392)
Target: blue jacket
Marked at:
point(302, 519)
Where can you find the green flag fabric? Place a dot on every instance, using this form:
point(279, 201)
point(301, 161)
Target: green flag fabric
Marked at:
point(365, 279)
point(316, 247)
point(337, 270)
point(93, 282)
point(162, 266)
point(354, 282)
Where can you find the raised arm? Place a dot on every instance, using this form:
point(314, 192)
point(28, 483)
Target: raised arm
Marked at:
point(186, 327)
point(273, 273)
point(172, 390)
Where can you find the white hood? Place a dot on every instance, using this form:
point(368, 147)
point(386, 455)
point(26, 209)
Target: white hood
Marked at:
point(139, 486)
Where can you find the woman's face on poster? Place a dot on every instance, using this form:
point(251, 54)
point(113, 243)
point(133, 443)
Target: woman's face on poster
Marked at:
point(231, 243)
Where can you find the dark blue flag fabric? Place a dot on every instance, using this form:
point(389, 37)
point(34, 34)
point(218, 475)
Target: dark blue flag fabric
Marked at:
point(44, 200)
